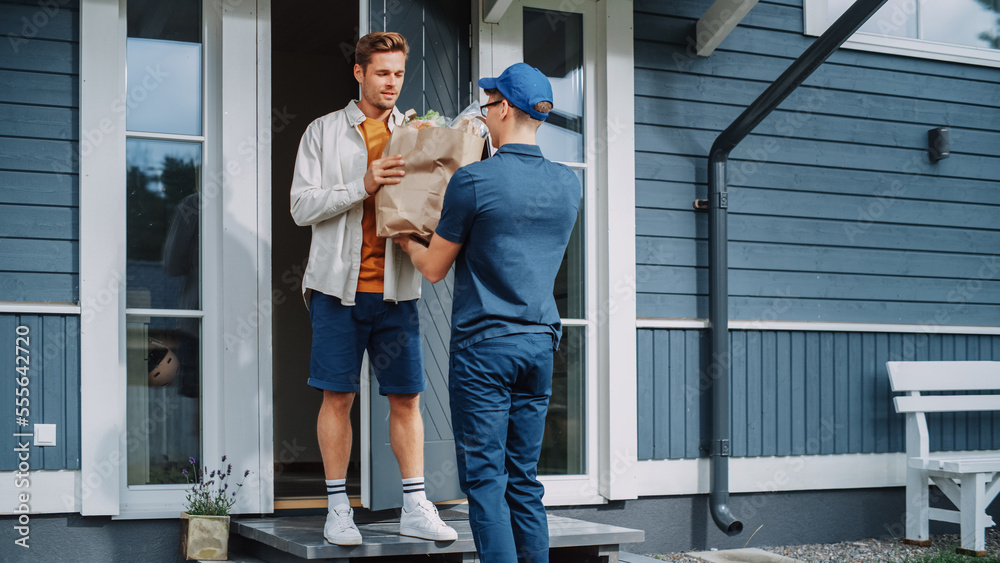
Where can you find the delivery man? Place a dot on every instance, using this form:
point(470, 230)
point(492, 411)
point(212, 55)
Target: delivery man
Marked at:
point(505, 224)
point(360, 294)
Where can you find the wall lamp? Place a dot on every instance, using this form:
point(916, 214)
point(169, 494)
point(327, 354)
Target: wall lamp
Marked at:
point(939, 144)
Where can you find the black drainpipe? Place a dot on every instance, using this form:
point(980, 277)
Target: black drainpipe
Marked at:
point(717, 203)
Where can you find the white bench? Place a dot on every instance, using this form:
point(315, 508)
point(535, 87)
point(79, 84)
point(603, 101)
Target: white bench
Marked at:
point(970, 480)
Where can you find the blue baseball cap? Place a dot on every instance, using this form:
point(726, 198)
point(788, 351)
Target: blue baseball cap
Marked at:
point(524, 86)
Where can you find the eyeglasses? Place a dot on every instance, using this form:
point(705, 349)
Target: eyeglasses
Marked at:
point(484, 106)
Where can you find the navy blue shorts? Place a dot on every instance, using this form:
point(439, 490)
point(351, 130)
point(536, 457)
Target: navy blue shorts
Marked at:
point(341, 334)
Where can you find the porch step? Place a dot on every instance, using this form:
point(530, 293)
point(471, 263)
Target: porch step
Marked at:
point(287, 539)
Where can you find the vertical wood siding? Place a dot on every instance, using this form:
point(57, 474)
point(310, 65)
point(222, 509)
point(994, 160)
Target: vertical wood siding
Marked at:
point(439, 68)
point(797, 393)
point(53, 389)
point(835, 212)
point(39, 140)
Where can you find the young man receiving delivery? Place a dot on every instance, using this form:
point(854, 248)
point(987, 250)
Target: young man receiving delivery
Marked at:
point(361, 295)
point(505, 223)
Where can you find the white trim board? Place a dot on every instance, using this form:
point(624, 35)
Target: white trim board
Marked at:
point(773, 473)
point(571, 490)
point(615, 159)
point(265, 397)
point(102, 256)
point(39, 308)
point(49, 492)
point(819, 326)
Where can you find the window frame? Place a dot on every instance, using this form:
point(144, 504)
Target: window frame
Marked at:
point(611, 463)
point(816, 20)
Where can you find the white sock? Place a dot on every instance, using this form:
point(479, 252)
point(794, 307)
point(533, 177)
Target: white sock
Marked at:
point(413, 493)
point(336, 493)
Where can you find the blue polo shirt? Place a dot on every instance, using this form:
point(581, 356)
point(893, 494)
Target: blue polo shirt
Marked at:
point(512, 214)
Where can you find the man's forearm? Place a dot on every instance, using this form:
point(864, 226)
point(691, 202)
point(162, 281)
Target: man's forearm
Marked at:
point(424, 263)
point(434, 261)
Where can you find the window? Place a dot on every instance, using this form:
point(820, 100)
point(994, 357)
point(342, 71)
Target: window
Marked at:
point(966, 31)
point(553, 43)
point(586, 49)
point(163, 304)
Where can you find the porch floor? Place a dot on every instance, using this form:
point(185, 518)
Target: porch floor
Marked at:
point(285, 539)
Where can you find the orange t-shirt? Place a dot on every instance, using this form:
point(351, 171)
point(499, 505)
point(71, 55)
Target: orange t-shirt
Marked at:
point(372, 275)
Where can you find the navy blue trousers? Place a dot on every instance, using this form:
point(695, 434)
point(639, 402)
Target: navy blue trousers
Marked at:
point(499, 392)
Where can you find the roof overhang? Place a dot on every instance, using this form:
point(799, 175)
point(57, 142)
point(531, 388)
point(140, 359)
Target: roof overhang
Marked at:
point(720, 19)
point(493, 10)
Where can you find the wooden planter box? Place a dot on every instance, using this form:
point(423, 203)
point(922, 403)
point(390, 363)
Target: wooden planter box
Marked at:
point(204, 537)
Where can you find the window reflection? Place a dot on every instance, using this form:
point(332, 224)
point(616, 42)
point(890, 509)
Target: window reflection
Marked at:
point(162, 411)
point(163, 87)
point(973, 23)
point(163, 224)
point(553, 43)
point(569, 287)
point(563, 445)
point(173, 20)
point(895, 17)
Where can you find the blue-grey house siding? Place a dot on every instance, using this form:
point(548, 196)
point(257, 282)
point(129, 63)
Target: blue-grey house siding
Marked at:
point(39, 218)
point(835, 214)
point(53, 389)
point(39, 140)
point(797, 393)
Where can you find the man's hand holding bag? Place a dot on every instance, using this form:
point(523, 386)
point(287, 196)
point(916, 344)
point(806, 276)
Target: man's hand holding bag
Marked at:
point(431, 155)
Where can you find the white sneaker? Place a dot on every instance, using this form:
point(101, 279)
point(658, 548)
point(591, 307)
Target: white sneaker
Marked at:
point(340, 528)
point(424, 522)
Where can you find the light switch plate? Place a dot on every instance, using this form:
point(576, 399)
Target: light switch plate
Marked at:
point(45, 434)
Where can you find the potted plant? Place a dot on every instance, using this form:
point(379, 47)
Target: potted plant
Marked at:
point(205, 521)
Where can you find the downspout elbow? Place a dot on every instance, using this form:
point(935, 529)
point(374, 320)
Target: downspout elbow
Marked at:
point(722, 515)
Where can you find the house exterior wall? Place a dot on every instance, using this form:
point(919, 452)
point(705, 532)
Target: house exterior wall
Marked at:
point(836, 215)
point(798, 393)
point(39, 219)
point(39, 103)
point(53, 390)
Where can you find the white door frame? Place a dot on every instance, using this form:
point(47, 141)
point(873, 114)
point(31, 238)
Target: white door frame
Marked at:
point(236, 385)
point(611, 411)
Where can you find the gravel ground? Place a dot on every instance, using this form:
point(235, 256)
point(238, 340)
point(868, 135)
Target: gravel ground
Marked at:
point(865, 551)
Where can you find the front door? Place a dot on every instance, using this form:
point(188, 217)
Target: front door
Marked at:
point(438, 77)
point(306, 37)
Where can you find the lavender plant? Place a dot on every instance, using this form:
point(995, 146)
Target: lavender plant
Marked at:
point(211, 494)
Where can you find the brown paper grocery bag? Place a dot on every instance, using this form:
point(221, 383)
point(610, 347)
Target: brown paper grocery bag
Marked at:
point(431, 155)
